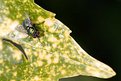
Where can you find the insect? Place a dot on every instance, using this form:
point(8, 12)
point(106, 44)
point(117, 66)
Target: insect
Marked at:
point(31, 28)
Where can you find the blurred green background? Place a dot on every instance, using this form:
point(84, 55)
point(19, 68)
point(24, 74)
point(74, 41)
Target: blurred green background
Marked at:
point(96, 26)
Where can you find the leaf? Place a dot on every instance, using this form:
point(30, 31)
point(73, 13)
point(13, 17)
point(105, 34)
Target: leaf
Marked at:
point(54, 55)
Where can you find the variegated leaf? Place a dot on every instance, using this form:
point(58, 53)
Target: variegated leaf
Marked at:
point(53, 56)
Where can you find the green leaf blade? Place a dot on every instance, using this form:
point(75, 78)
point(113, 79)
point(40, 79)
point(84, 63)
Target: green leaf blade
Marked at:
point(53, 56)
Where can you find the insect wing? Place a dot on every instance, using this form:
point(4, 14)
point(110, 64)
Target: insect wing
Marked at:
point(20, 28)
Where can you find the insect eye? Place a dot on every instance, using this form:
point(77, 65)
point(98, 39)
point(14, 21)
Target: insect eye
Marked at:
point(36, 34)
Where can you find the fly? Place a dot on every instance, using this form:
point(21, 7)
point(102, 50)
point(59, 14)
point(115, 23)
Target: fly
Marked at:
point(30, 28)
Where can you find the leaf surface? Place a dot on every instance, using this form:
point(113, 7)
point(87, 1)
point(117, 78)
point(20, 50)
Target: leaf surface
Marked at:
point(54, 55)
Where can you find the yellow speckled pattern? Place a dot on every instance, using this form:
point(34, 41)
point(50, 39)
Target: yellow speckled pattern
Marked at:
point(53, 56)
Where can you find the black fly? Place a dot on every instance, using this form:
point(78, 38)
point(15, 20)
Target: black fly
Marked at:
point(31, 28)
